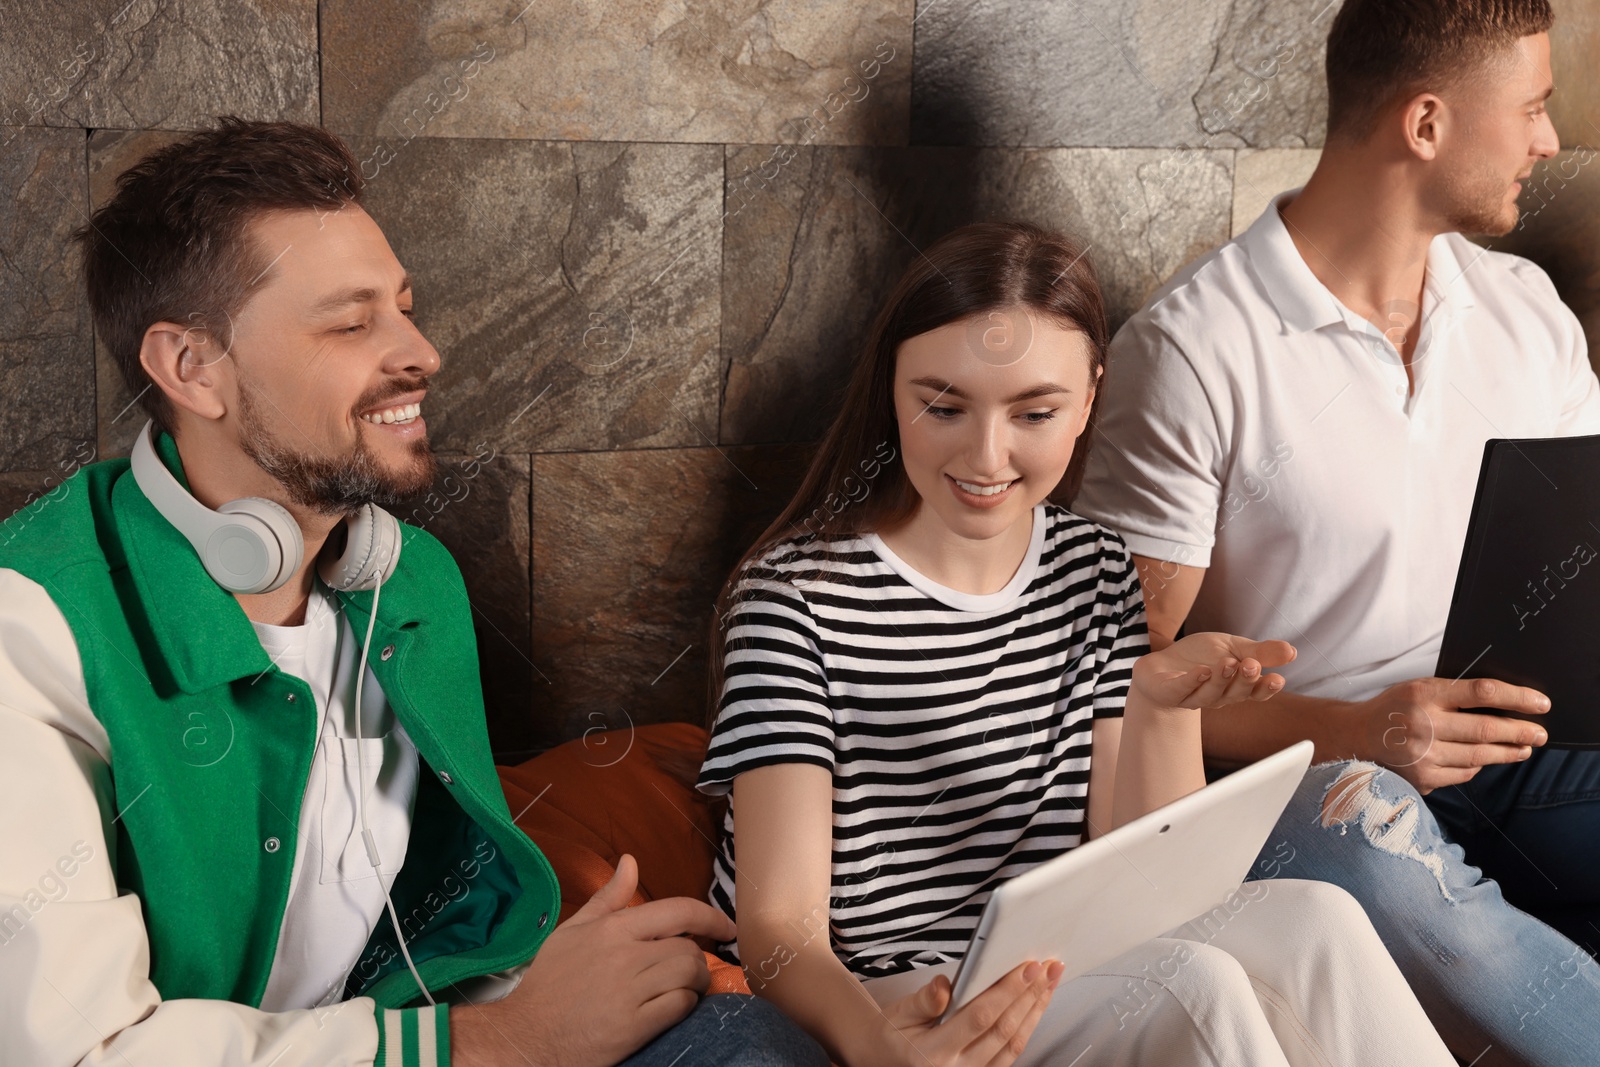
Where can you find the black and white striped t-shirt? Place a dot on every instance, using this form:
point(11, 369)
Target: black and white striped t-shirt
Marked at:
point(956, 726)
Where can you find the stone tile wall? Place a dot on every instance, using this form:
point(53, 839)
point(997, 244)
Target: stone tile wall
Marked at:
point(645, 238)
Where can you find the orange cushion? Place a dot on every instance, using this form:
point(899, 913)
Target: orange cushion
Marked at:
point(589, 801)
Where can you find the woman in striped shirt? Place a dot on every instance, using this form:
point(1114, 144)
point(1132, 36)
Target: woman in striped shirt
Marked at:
point(931, 678)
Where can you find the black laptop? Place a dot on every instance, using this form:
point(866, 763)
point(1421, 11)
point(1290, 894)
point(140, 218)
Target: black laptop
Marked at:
point(1526, 607)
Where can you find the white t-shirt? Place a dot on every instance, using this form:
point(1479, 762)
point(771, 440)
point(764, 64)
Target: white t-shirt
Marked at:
point(1253, 425)
point(335, 900)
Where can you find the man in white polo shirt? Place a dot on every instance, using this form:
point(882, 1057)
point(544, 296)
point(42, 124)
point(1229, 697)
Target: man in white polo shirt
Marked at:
point(1290, 441)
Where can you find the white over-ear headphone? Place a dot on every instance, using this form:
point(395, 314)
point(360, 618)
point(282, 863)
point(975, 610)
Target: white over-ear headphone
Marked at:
point(252, 545)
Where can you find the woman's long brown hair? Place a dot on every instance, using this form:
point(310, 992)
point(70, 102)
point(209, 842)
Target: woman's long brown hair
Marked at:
point(976, 269)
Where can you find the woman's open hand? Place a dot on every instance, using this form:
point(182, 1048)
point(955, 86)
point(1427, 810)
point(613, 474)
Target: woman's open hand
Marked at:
point(1211, 669)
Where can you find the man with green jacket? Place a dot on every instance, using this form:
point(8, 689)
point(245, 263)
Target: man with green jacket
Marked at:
point(253, 816)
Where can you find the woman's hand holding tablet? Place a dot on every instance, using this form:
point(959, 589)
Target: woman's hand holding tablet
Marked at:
point(990, 1029)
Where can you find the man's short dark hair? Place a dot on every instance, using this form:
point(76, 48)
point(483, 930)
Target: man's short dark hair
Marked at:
point(1383, 51)
point(172, 245)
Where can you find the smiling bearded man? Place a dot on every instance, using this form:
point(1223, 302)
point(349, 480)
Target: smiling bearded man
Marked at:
point(241, 701)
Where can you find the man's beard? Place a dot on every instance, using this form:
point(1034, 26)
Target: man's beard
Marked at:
point(1477, 205)
point(336, 485)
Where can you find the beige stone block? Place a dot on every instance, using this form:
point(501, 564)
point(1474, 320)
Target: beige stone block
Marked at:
point(136, 64)
point(571, 289)
point(1559, 229)
point(1574, 44)
point(618, 70)
point(1261, 174)
point(46, 346)
point(630, 550)
point(1117, 73)
point(479, 509)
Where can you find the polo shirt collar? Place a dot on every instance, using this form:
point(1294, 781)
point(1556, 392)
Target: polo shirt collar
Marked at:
point(1303, 303)
point(200, 630)
point(1446, 279)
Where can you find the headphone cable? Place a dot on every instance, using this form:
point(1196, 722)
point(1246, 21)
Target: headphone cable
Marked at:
point(361, 793)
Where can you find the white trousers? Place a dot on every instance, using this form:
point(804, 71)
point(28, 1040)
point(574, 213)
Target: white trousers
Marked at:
point(1296, 976)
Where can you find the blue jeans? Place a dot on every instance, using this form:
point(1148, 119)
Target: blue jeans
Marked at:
point(1534, 827)
point(736, 1030)
point(1501, 987)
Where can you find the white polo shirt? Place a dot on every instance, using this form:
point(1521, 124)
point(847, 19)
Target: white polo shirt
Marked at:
point(1253, 425)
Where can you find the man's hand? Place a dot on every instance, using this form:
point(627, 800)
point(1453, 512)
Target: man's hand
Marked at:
point(990, 1030)
point(1207, 670)
point(605, 983)
point(1417, 728)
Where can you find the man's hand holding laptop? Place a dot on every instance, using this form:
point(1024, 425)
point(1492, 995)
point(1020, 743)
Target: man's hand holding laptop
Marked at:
point(1418, 729)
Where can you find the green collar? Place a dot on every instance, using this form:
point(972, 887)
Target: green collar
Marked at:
point(167, 449)
point(199, 628)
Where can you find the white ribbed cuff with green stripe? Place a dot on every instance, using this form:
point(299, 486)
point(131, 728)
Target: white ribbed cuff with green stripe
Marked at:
point(413, 1037)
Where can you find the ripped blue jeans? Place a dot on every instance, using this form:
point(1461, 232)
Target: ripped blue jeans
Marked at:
point(1501, 987)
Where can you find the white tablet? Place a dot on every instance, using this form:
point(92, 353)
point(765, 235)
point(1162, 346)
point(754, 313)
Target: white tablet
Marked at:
point(1097, 901)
